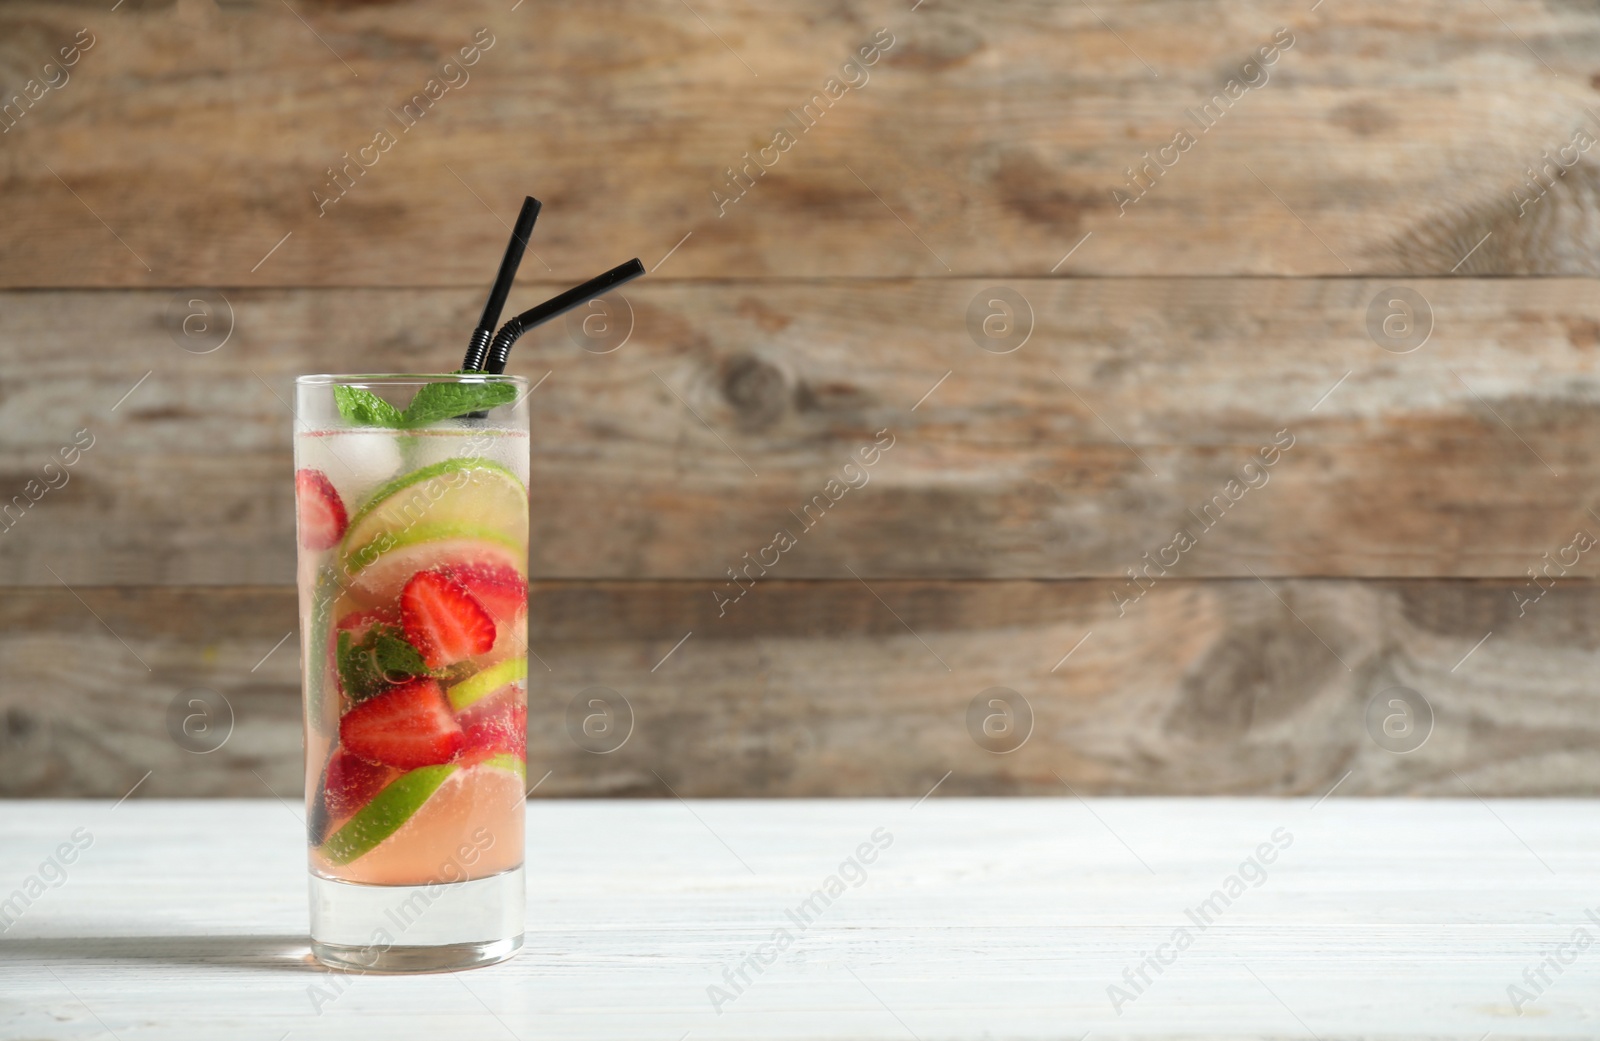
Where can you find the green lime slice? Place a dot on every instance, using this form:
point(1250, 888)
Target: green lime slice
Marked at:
point(384, 815)
point(506, 761)
point(427, 473)
point(481, 684)
point(444, 500)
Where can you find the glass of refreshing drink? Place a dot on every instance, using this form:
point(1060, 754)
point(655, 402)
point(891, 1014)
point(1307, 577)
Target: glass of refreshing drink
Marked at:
point(413, 556)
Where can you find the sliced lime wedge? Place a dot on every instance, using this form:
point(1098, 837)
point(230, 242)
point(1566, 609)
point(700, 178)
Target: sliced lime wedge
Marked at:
point(506, 761)
point(384, 815)
point(481, 684)
point(449, 499)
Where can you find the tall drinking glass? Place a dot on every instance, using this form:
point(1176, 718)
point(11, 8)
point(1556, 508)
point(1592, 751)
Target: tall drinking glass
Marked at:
point(413, 536)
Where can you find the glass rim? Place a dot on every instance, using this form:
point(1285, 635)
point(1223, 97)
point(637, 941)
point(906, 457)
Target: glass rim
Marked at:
point(326, 379)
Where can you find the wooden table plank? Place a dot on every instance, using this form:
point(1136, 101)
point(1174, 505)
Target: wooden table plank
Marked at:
point(188, 144)
point(820, 688)
point(1123, 417)
point(1004, 918)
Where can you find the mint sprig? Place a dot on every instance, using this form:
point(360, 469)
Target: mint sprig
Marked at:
point(361, 407)
point(383, 657)
point(436, 401)
point(433, 402)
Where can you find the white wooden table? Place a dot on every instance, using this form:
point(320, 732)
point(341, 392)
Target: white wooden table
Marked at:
point(984, 918)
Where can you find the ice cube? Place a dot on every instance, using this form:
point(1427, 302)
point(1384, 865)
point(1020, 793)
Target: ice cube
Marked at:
point(356, 461)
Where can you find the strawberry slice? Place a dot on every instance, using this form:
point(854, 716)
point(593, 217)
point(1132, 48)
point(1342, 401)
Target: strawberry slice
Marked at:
point(407, 727)
point(443, 621)
point(322, 516)
point(498, 587)
point(351, 782)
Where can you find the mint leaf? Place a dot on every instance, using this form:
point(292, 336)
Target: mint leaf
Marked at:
point(362, 407)
point(396, 657)
point(383, 657)
point(436, 401)
point(355, 670)
point(358, 672)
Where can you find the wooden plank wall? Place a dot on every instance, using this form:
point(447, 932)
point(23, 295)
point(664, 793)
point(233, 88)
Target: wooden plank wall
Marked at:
point(1225, 306)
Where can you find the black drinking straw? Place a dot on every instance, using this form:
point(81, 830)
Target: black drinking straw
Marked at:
point(555, 307)
point(478, 346)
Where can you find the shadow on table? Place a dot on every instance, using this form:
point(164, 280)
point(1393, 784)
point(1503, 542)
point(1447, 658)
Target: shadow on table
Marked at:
point(289, 953)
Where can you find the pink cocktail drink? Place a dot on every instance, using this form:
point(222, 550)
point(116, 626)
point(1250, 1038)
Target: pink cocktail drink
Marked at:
point(413, 536)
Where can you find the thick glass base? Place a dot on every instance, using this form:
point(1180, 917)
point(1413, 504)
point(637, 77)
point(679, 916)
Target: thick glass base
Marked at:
point(447, 958)
point(437, 928)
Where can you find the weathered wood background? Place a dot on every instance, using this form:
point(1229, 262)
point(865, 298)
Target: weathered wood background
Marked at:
point(1389, 146)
